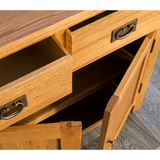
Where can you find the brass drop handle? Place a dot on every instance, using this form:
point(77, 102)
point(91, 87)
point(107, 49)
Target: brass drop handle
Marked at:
point(132, 28)
point(19, 106)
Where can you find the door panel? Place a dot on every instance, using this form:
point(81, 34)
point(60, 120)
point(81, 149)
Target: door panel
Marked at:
point(121, 102)
point(43, 144)
point(147, 71)
point(139, 82)
point(61, 135)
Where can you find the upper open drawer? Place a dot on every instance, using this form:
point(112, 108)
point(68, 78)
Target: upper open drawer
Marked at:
point(42, 72)
point(91, 39)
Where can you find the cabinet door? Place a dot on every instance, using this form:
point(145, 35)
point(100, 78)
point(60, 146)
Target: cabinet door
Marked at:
point(63, 135)
point(121, 103)
point(146, 72)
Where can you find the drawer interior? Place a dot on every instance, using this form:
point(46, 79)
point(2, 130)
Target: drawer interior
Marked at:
point(90, 20)
point(28, 60)
point(95, 84)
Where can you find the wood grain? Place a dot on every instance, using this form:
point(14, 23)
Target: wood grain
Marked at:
point(64, 135)
point(34, 26)
point(94, 39)
point(31, 145)
point(31, 137)
point(71, 135)
point(148, 71)
point(15, 25)
point(42, 87)
point(121, 102)
point(85, 83)
point(141, 129)
point(141, 74)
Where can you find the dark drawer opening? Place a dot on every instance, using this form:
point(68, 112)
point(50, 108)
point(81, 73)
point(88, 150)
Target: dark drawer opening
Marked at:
point(91, 20)
point(28, 60)
point(95, 84)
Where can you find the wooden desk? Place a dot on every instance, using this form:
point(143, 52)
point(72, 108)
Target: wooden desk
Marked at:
point(66, 65)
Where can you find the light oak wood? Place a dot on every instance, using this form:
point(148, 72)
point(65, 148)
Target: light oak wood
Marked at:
point(148, 71)
point(122, 99)
point(42, 86)
point(33, 27)
point(71, 135)
point(85, 83)
point(87, 44)
point(63, 135)
point(18, 24)
point(141, 74)
point(92, 41)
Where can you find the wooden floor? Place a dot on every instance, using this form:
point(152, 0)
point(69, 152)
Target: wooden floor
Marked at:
point(142, 128)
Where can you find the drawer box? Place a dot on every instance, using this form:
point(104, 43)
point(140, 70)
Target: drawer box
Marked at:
point(92, 40)
point(42, 72)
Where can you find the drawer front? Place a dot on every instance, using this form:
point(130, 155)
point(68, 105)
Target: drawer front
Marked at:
point(42, 86)
point(122, 101)
point(93, 41)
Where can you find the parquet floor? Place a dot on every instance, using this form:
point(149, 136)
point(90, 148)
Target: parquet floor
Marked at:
point(141, 130)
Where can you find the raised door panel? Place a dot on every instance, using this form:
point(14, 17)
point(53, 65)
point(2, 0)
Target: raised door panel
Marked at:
point(121, 102)
point(63, 135)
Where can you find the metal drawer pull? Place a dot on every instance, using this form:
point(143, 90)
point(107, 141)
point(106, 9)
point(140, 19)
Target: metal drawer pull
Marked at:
point(20, 107)
point(132, 28)
point(124, 31)
point(13, 108)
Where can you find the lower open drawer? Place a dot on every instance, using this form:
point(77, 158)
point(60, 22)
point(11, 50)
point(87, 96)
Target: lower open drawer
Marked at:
point(42, 72)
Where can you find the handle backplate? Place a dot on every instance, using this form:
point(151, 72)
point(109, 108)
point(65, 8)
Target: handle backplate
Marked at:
point(13, 108)
point(123, 31)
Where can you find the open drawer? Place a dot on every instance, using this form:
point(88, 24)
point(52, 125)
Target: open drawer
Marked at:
point(92, 38)
point(41, 73)
point(113, 79)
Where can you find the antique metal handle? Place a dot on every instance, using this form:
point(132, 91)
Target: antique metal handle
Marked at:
point(132, 28)
point(123, 31)
point(19, 106)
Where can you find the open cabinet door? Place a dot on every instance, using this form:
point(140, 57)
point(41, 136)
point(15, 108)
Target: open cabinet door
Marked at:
point(121, 103)
point(147, 71)
point(63, 135)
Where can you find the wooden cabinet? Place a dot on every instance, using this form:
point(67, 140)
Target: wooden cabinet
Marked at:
point(93, 80)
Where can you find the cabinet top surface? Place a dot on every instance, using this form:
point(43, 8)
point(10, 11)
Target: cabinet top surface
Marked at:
point(15, 25)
